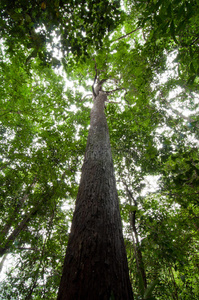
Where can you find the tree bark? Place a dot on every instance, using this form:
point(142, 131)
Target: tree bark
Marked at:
point(95, 265)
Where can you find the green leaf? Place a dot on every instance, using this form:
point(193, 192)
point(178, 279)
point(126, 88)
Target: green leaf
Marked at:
point(148, 292)
point(172, 30)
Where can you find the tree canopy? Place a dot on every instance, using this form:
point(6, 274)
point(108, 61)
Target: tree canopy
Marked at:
point(51, 52)
point(77, 24)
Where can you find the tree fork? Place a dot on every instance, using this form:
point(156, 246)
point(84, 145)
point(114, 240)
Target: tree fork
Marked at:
point(95, 265)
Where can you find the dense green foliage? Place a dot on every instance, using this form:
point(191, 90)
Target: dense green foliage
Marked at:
point(148, 54)
point(77, 24)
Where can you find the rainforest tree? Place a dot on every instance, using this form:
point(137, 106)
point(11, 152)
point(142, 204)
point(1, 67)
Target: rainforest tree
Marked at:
point(96, 245)
point(145, 54)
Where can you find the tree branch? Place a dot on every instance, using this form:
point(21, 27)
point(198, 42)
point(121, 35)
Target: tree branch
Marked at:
point(2, 261)
point(88, 95)
point(115, 90)
point(93, 89)
point(124, 36)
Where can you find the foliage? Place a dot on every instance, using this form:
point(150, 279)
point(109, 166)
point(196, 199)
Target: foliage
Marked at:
point(37, 168)
point(76, 24)
point(172, 25)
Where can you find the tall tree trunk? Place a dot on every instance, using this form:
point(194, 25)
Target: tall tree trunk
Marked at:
point(95, 265)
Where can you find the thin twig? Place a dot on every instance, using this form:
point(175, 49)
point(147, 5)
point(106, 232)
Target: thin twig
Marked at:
point(115, 90)
point(88, 95)
point(112, 102)
point(124, 36)
point(126, 99)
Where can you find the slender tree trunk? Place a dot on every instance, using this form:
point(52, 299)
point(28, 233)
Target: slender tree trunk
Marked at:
point(136, 245)
point(175, 293)
point(9, 222)
point(138, 253)
point(95, 265)
point(21, 226)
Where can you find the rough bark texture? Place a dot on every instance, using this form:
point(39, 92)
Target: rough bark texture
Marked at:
point(95, 265)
